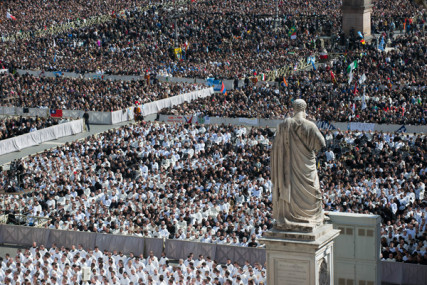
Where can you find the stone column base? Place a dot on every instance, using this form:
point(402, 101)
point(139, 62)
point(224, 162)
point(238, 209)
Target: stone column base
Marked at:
point(359, 20)
point(300, 258)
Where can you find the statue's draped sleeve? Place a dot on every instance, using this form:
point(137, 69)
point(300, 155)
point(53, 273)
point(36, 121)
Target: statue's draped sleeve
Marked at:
point(280, 162)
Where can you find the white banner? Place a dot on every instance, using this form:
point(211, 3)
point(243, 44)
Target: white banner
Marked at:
point(155, 107)
point(40, 136)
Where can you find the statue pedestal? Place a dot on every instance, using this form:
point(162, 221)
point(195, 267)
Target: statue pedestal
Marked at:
point(300, 258)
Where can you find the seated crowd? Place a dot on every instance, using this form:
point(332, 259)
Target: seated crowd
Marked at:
point(155, 181)
point(383, 174)
point(15, 126)
point(87, 94)
point(207, 183)
point(40, 265)
point(211, 183)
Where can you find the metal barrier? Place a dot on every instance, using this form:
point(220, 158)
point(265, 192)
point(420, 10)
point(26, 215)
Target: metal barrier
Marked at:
point(176, 249)
point(392, 272)
point(255, 122)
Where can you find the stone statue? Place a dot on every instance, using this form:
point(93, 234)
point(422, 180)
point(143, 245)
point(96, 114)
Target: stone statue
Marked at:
point(297, 199)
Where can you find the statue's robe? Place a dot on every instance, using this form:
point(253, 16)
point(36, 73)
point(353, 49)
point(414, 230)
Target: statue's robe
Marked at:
point(297, 199)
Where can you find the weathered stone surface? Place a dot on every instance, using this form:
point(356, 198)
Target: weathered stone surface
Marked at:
point(297, 199)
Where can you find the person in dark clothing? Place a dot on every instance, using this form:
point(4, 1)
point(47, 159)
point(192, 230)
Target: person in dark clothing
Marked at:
point(86, 118)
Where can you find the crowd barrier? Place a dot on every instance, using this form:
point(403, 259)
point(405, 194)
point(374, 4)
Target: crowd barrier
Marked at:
point(392, 272)
point(40, 136)
point(155, 107)
point(229, 84)
point(115, 117)
point(25, 236)
point(256, 122)
point(403, 273)
point(174, 249)
point(53, 74)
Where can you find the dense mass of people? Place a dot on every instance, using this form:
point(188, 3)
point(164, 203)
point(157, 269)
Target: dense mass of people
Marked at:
point(64, 265)
point(212, 183)
point(154, 180)
point(15, 126)
point(211, 44)
point(44, 14)
point(384, 174)
point(393, 91)
point(233, 40)
point(86, 94)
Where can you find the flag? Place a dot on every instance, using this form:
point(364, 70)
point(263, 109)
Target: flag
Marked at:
point(323, 55)
point(362, 79)
point(292, 31)
point(10, 16)
point(312, 60)
point(56, 113)
point(402, 129)
point(284, 81)
point(350, 77)
point(389, 82)
point(355, 89)
point(353, 107)
point(362, 41)
point(262, 77)
point(294, 36)
point(382, 44)
point(223, 89)
point(352, 66)
point(364, 100)
point(189, 120)
point(360, 34)
point(333, 77)
point(296, 66)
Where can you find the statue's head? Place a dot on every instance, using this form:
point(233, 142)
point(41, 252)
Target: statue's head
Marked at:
point(299, 105)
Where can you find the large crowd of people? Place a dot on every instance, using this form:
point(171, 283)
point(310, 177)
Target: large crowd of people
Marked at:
point(233, 40)
point(65, 265)
point(393, 91)
point(206, 183)
point(239, 40)
point(212, 183)
point(384, 174)
point(44, 14)
point(15, 126)
point(154, 180)
point(211, 45)
point(86, 94)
